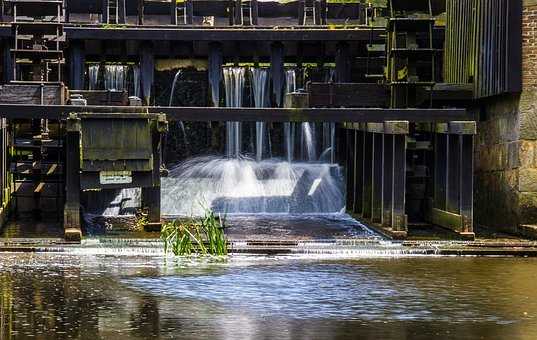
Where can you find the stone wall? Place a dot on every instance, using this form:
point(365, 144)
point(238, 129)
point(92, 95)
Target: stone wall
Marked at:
point(506, 147)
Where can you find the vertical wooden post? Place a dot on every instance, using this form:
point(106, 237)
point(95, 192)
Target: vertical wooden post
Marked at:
point(189, 12)
point(76, 65)
point(467, 183)
point(343, 63)
point(71, 219)
point(394, 181)
point(121, 12)
point(277, 72)
point(378, 151)
point(349, 166)
point(255, 12)
point(323, 12)
point(140, 12)
point(151, 196)
point(387, 197)
point(399, 184)
point(368, 175)
point(301, 4)
point(147, 70)
point(8, 62)
point(440, 166)
point(105, 15)
point(453, 173)
point(359, 172)
point(173, 12)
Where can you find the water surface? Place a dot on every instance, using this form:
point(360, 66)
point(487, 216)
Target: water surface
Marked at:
point(52, 296)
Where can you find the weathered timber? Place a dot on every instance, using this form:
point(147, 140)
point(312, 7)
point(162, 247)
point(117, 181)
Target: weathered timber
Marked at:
point(71, 220)
point(277, 72)
point(27, 93)
point(347, 95)
point(103, 97)
point(356, 115)
point(76, 65)
point(221, 34)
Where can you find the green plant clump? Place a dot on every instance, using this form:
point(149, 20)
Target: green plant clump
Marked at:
point(203, 236)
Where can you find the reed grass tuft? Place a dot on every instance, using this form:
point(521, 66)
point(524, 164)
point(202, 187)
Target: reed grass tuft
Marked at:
point(195, 236)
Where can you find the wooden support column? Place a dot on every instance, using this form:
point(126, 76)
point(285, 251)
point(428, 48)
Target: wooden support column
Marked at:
point(387, 197)
point(378, 152)
point(343, 63)
point(151, 196)
point(349, 166)
point(121, 12)
point(399, 218)
point(255, 12)
point(71, 214)
point(8, 62)
point(189, 12)
point(173, 12)
point(147, 70)
point(368, 175)
point(440, 166)
point(467, 183)
point(76, 65)
point(359, 172)
point(105, 15)
point(453, 181)
point(323, 13)
point(277, 73)
point(141, 6)
point(453, 173)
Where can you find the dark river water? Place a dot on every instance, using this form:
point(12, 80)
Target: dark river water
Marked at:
point(52, 296)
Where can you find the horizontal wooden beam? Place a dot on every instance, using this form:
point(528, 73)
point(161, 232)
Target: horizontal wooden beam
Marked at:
point(356, 115)
point(168, 33)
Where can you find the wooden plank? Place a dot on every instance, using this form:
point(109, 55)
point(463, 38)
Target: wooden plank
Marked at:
point(31, 94)
point(221, 34)
point(356, 115)
point(347, 95)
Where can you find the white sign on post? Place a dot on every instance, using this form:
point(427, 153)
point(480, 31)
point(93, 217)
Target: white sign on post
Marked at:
point(115, 177)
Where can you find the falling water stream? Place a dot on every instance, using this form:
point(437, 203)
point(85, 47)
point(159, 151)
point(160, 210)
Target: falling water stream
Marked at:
point(170, 102)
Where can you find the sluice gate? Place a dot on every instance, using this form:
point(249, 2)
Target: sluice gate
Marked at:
point(404, 134)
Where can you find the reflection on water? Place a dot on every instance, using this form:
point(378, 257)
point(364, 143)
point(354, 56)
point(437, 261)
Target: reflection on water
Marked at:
point(51, 296)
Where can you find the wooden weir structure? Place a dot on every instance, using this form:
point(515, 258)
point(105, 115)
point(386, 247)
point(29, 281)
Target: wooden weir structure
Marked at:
point(405, 136)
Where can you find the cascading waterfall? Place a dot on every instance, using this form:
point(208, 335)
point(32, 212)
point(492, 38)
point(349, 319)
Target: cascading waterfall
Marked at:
point(289, 128)
point(260, 86)
point(329, 140)
point(115, 77)
point(234, 85)
point(136, 79)
point(239, 185)
point(93, 76)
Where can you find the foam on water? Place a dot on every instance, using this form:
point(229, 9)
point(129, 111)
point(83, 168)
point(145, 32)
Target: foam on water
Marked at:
point(241, 185)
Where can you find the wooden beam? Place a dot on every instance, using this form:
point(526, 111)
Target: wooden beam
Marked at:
point(23, 111)
point(221, 34)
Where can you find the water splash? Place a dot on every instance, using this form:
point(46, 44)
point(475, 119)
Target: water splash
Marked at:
point(241, 185)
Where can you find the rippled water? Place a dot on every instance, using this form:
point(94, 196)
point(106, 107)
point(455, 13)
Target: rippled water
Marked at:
point(53, 296)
